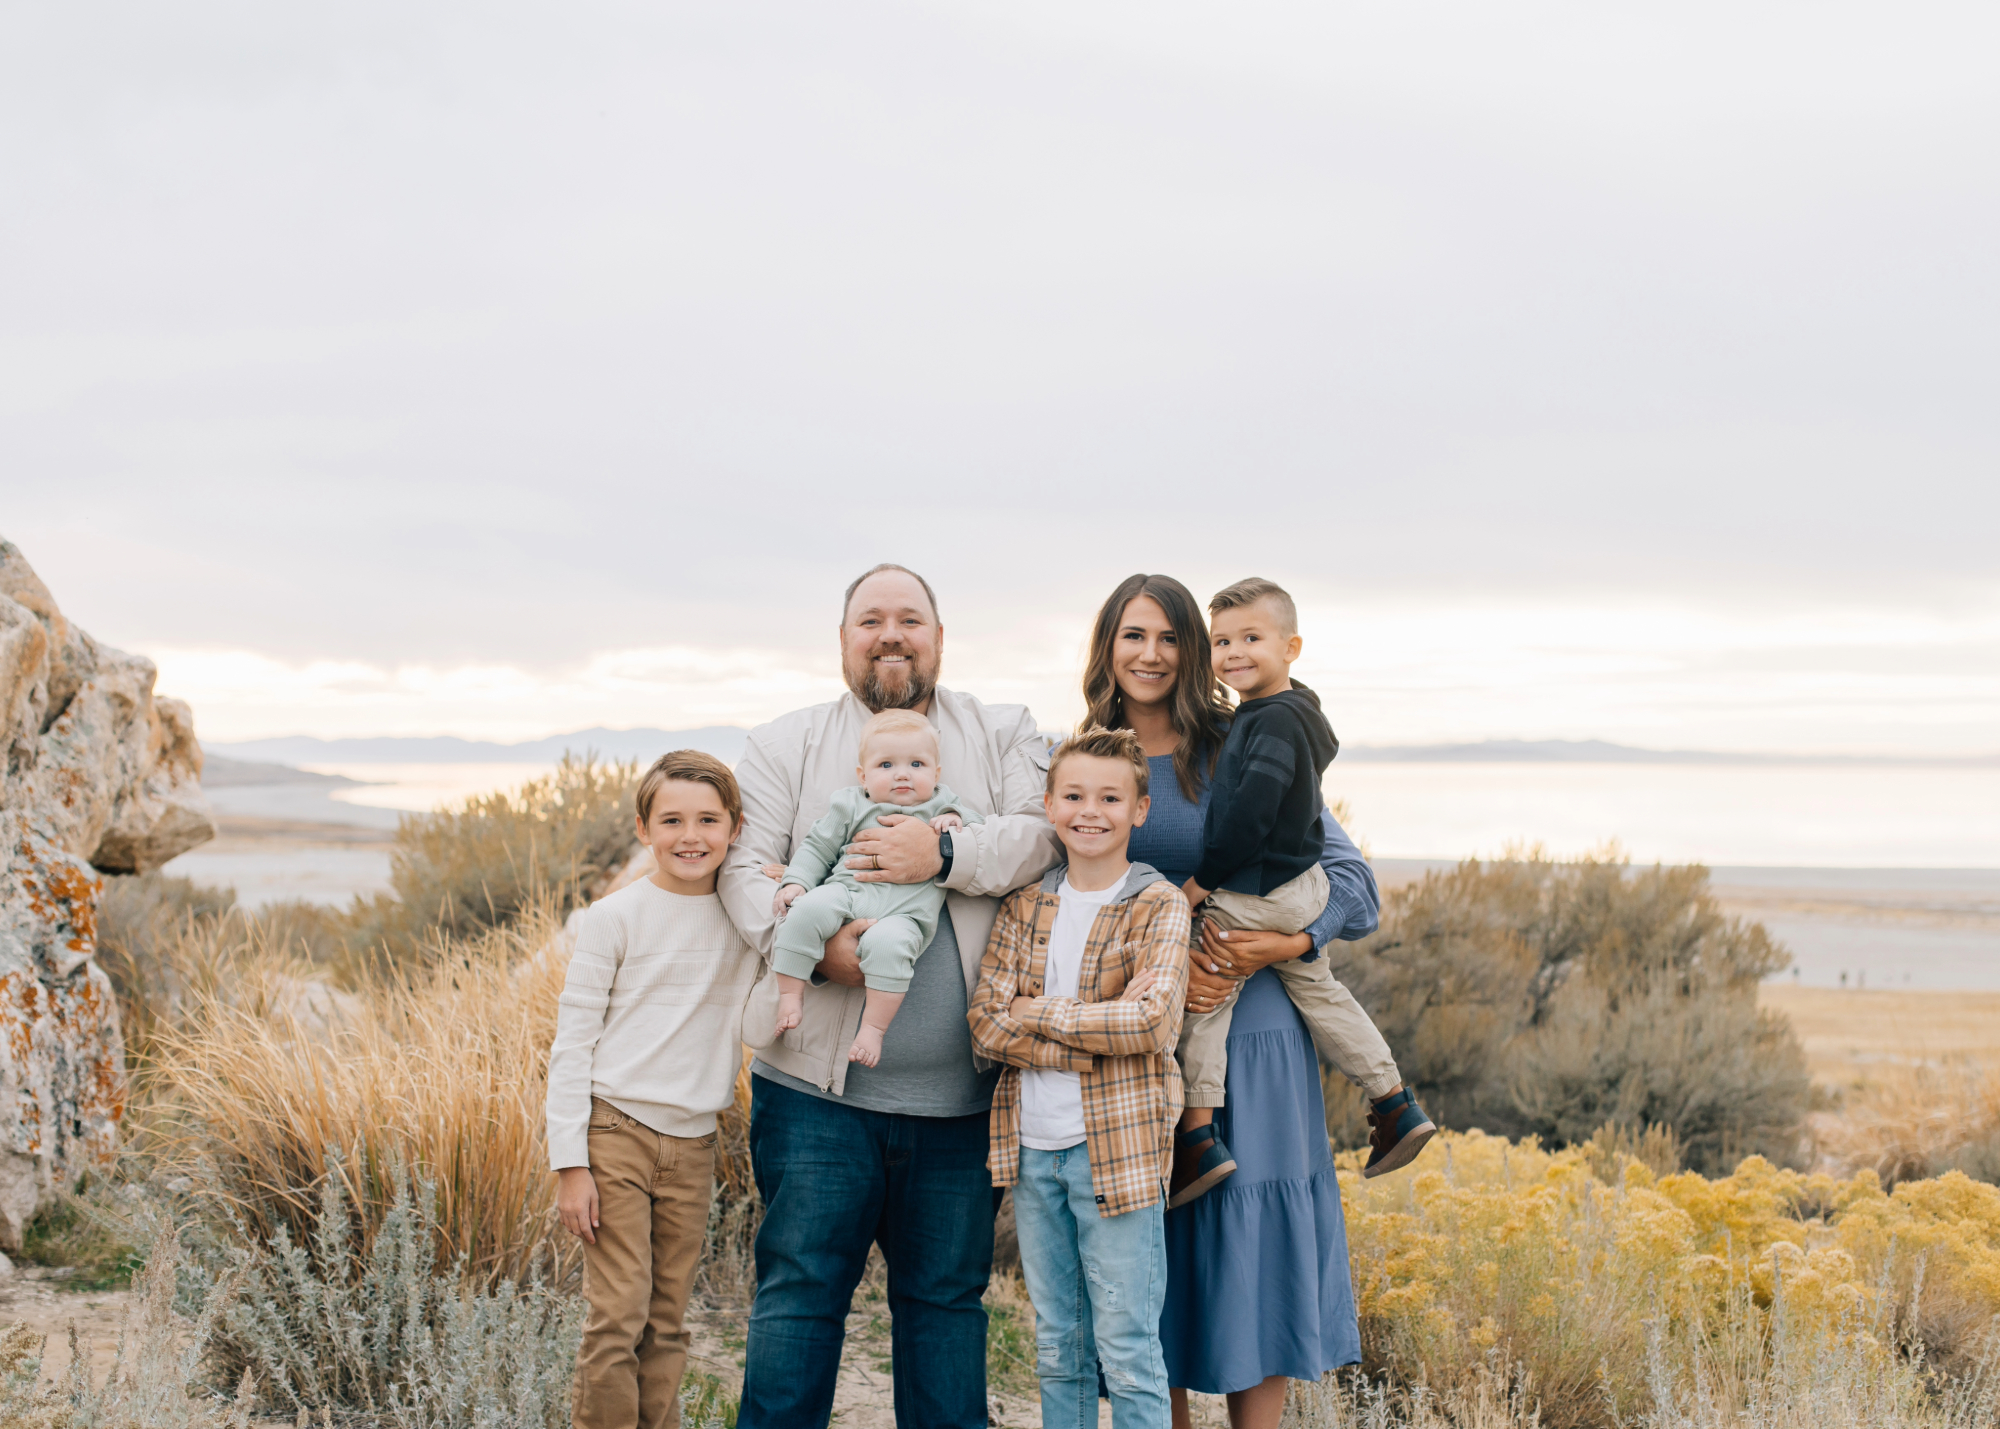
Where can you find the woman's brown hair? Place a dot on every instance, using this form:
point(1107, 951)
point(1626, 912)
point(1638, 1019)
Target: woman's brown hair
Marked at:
point(1198, 709)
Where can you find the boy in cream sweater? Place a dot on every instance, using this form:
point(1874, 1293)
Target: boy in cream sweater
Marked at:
point(649, 1037)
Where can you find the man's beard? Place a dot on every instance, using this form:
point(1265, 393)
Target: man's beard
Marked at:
point(914, 688)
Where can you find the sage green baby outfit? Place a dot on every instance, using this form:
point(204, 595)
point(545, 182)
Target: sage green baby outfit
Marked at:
point(905, 914)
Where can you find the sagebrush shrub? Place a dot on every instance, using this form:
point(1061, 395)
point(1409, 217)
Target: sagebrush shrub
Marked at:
point(1530, 996)
point(483, 863)
point(330, 1325)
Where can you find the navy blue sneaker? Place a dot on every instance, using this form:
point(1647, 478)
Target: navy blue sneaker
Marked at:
point(1201, 1163)
point(1397, 1131)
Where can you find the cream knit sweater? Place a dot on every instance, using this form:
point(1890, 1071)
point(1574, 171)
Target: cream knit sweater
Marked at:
point(651, 1017)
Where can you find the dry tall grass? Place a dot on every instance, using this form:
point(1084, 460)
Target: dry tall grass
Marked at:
point(269, 1084)
point(1912, 1122)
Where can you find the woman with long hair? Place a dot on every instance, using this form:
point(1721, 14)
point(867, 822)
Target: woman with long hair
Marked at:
point(1258, 1287)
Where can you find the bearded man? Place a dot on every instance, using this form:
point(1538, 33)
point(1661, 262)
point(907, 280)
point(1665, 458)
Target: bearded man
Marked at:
point(894, 1154)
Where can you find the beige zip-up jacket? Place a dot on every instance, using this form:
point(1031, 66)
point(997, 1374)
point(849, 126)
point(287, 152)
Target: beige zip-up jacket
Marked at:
point(993, 758)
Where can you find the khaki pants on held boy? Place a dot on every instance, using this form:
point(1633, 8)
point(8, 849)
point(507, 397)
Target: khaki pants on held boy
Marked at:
point(653, 1193)
point(1342, 1031)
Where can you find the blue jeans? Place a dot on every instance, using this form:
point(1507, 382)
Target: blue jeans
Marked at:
point(835, 1178)
point(1099, 1284)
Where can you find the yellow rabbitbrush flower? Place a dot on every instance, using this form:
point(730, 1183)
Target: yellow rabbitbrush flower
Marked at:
point(1503, 1254)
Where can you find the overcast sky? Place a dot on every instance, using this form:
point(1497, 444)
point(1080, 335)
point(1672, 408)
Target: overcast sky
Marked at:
point(483, 369)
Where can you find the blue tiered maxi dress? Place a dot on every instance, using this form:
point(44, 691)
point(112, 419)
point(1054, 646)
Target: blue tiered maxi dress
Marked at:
point(1257, 1275)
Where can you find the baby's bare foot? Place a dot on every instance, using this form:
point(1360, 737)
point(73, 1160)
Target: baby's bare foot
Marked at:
point(791, 1007)
point(867, 1048)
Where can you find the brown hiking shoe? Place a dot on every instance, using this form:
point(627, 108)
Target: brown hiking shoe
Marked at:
point(1201, 1163)
point(1397, 1131)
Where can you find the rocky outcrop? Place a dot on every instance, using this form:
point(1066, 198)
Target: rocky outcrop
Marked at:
point(98, 774)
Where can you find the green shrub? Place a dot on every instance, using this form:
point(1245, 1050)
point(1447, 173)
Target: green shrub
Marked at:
point(88, 1233)
point(163, 940)
point(1535, 997)
point(706, 1402)
point(1010, 1336)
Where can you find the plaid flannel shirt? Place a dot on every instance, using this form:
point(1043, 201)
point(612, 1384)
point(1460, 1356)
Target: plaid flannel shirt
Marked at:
point(1122, 1052)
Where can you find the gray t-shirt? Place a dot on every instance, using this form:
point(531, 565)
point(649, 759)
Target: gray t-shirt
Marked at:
point(926, 1067)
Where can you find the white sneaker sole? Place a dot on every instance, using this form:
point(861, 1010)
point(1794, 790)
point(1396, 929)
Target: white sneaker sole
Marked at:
point(1201, 1186)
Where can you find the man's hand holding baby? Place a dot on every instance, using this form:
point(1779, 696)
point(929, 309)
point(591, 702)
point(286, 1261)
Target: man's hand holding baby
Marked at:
point(899, 848)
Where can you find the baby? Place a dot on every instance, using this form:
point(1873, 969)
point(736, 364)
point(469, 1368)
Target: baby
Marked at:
point(819, 892)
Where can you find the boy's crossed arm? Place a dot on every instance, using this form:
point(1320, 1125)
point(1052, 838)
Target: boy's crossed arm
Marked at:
point(1146, 1017)
point(1003, 971)
point(1062, 1032)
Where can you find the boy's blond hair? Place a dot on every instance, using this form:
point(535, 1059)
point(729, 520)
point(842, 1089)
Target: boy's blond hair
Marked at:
point(893, 722)
point(1102, 743)
point(1252, 590)
point(693, 767)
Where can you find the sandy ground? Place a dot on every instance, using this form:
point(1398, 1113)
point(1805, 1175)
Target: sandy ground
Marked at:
point(1847, 1034)
point(36, 1297)
point(864, 1398)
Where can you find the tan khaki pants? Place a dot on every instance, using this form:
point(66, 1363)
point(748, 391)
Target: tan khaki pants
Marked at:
point(653, 1193)
point(1342, 1030)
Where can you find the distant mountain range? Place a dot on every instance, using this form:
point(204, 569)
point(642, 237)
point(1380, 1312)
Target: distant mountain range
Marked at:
point(725, 741)
point(1598, 751)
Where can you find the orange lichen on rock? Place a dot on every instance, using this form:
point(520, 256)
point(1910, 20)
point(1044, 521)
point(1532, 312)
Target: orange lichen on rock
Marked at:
point(96, 775)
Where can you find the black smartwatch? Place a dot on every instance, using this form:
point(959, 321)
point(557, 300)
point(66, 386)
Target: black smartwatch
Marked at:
point(944, 852)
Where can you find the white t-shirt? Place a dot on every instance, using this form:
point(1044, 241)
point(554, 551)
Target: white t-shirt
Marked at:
point(1052, 1100)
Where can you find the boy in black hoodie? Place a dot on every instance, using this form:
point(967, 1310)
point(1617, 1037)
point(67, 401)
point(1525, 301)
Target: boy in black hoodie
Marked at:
point(1260, 870)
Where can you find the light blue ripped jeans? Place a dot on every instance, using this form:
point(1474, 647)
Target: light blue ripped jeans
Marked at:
point(1098, 1284)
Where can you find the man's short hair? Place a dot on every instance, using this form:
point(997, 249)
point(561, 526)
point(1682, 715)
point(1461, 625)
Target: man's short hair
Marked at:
point(1102, 743)
point(847, 601)
point(893, 722)
point(693, 767)
point(1249, 592)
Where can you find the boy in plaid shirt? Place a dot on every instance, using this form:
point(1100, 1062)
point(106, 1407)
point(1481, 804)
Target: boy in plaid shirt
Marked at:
point(1079, 996)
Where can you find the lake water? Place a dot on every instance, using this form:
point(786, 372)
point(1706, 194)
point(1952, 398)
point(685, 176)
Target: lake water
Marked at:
point(1866, 816)
point(1872, 876)
point(418, 788)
